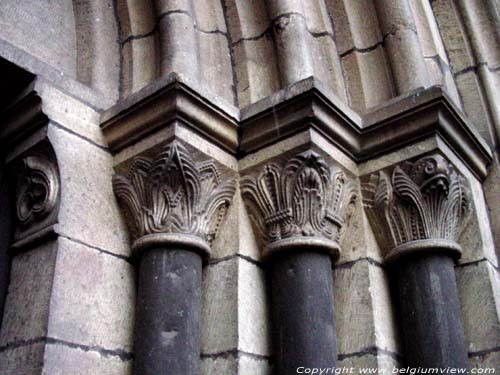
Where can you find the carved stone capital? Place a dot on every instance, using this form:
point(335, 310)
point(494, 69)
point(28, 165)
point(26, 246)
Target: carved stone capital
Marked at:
point(420, 206)
point(302, 205)
point(172, 200)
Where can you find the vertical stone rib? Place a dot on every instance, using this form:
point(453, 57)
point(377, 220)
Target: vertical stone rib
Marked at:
point(326, 64)
point(481, 23)
point(402, 45)
point(143, 50)
point(178, 38)
point(359, 39)
point(255, 60)
point(291, 39)
point(433, 50)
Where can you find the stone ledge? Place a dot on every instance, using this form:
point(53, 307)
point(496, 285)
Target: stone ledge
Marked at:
point(398, 123)
point(168, 100)
point(307, 104)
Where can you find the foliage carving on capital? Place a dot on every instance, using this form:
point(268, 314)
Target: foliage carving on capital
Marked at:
point(305, 198)
point(37, 190)
point(171, 193)
point(424, 200)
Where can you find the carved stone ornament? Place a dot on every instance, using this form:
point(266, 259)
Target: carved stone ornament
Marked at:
point(37, 190)
point(171, 199)
point(422, 207)
point(302, 205)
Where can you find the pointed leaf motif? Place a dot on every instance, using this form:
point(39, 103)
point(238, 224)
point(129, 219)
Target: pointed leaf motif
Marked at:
point(173, 194)
point(424, 200)
point(304, 198)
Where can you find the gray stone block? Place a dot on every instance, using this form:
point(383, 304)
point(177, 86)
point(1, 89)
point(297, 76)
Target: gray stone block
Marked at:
point(93, 298)
point(479, 287)
point(89, 212)
point(27, 307)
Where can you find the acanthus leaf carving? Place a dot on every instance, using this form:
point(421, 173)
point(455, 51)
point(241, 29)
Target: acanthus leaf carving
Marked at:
point(424, 200)
point(305, 198)
point(173, 194)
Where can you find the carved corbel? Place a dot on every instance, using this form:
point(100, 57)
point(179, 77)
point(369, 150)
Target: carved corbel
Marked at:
point(419, 206)
point(37, 195)
point(305, 203)
point(170, 198)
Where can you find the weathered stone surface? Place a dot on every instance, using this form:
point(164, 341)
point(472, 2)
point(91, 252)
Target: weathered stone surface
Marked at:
point(246, 19)
point(93, 298)
point(387, 333)
point(23, 360)
point(236, 235)
point(488, 360)
point(178, 42)
point(47, 30)
point(365, 314)
point(481, 23)
point(256, 69)
point(89, 212)
point(235, 365)
point(327, 65)
point(291, 31)
point(354, 308)
point(235, 310)
point(356, 24)
point(219, 316)
point(210, 16)
point(136, 18)
point(471, 92)
point(220, 365)
point(368, 78)
point(138, 67)
point(479, 287)
point(27, 307)
point(254, 323)
point(70, 113)
point(216, 72)
point(385, 363)
point(407, 62)
point(451, 33)
point(63, 360)
point(359, 240)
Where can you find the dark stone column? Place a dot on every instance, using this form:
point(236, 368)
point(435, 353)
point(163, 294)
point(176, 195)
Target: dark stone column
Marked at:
point(301, 208)
point(418, 211)
point(430, 311)
point(6, 220)
point(167, 332)
point(174, 206)
point(303, 311)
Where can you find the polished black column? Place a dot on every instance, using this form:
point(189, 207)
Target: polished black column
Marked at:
point(430, 311)
point(167, 328)
point(303, 312)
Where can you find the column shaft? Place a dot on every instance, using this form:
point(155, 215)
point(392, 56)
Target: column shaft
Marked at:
point(303, 311)
point(430, 311)
point(167, 330)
